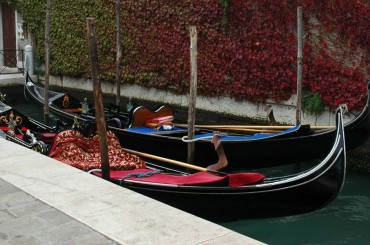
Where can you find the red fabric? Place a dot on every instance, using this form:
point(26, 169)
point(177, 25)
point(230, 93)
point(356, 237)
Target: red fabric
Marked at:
point(6, 128)
point(48, 135)
point(158, 121)
point(72, 148)
point(239, 179)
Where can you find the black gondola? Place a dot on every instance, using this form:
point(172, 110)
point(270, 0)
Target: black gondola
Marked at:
point(25, 131)
point(244, 152)
point(247, 153)
point(71, 109)
point(215, 198)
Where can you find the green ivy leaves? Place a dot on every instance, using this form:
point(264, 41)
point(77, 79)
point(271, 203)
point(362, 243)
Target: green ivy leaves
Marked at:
point(312, 102)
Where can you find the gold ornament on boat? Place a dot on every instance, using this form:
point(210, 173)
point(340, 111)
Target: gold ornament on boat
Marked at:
point(3, 120)
point(66, 101)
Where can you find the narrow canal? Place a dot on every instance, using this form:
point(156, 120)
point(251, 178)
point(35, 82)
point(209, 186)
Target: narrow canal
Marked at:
point(345, 221)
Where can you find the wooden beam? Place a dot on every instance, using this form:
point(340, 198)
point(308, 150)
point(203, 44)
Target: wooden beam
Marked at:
point(250, 127)
point(47, 62)
point(99, 109)
point(118, 53)
point(193, 92)
point(299, 65)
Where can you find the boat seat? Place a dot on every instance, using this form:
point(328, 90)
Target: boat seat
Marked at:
point(141, 114)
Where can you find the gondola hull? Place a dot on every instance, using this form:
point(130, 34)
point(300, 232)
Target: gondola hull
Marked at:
point(71, 110)
point(25, 131)
point(285, 202)
point(249, 154)
point(301, 192)
point(242, 154)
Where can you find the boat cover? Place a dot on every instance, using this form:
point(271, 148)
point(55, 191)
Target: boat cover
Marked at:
point(152, 176)
point(72, 148)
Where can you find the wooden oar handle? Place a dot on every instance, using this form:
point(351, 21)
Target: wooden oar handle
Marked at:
point(182, 164)
point(171, 161)
point(252, 127)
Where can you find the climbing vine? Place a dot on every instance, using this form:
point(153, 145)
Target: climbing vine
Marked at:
point(226, 6)
point(254, 59)
point(312, 102)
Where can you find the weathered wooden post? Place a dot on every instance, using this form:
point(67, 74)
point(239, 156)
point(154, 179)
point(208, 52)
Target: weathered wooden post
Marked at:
point(47, 62)
point(193, 92)
point(118, 54)
point(299, 65)
point(99, 110)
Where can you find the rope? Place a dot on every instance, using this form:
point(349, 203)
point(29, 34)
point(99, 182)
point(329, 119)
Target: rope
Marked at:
point(138, 175)
point(185, 138)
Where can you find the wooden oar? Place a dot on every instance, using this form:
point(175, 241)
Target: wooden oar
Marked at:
point(252, 127)
point(232, 128)
point(171, 161)
point(250, 130)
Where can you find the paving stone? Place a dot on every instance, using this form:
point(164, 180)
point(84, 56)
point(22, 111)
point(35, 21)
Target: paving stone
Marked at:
point(16, 198)
point(7, 189)
point(23, 239)
point(3, 206)
point(24, 225)
point(75, 233)
point(26, 220)
point(3, 237)
point(54, 217)
point(93, 239)
point(5, 216)
point(28, 208)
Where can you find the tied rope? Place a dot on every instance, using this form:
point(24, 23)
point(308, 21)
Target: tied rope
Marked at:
point(138, 175)
point(185, 138)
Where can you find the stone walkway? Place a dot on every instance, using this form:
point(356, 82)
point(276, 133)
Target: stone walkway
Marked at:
point(43, 201)
point(26, 220)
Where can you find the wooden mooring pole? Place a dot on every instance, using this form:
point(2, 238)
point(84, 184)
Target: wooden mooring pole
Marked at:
point(299, 65)
point(99, 110)
point(193, 93)
point(118, 53)
point(47, 62)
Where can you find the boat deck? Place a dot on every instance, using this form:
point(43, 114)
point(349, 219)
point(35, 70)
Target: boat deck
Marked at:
point(44, 201)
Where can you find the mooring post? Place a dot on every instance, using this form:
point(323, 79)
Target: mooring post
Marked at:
point(99, 110)
point(47, 62)
point(299, 65)
point(193, 92)
point(118, 53)
point(28, 60)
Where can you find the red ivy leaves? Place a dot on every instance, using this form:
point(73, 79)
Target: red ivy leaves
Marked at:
point(254, 58)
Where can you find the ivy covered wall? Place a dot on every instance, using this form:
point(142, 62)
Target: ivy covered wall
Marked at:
point(246, 49)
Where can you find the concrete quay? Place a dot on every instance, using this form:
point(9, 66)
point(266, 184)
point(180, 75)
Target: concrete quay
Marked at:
point(284, 111)
point(43, 201)
point(10, 79)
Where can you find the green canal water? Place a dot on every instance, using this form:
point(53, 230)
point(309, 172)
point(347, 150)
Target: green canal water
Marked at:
point(344, 221)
